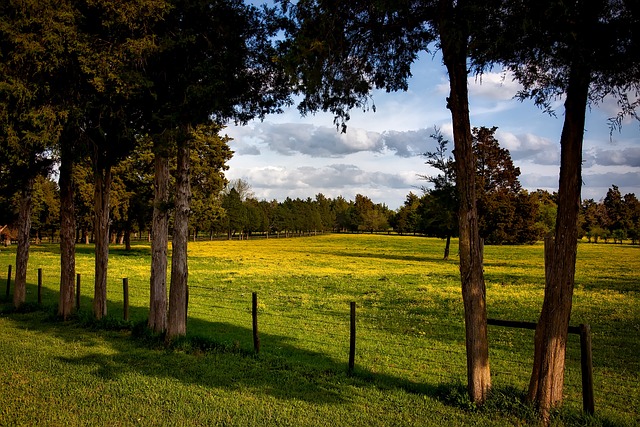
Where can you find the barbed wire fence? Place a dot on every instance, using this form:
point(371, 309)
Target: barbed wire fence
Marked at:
point(419, 352)
point(412, 352)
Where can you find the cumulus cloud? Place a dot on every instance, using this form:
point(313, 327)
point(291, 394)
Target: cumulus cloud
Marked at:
point(336, 176)
point(531, 147)
point(243, 149)
point(532, 181)
point(408, 143)
point(317, 141)
point(629, 180)
point(494, 86)
point(629, 156)
point(610, 106)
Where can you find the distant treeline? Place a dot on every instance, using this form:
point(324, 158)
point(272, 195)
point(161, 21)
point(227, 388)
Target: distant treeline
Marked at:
point(236, 213)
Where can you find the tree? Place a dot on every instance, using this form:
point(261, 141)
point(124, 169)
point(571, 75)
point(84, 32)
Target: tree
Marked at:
point(584, 50)
point(208, 161)
point(633, 209)
point(30, 123)
point(341, 51)
point(118, 44)
point(506, 213)
point(547, 210)
point(136, 174)
point(407, 218)
point(235, 213)
point(615, 210)
point(439, 210)
point(45, 217)
point(343, 210)
point(214, 62)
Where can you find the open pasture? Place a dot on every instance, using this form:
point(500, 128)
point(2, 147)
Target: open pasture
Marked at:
point(410, 357)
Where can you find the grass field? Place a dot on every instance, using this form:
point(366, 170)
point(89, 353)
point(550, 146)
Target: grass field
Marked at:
point(410, 359)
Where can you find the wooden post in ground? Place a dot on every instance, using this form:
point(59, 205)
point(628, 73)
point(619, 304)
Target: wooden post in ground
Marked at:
point(586, 361)
point(352, 336)
point(125, 293)
point(9, 282)
point(254, 314)
point(39, 286)
point(78, 291)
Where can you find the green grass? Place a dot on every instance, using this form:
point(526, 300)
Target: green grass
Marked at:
point(410, 359)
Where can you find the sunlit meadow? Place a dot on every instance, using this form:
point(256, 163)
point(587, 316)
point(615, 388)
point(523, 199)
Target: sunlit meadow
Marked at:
point(410, 335)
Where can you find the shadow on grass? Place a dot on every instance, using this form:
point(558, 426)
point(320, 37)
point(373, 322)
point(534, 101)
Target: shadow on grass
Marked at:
point(282, 369)
point(384, 256)
point(227, 361)
point(137, 250)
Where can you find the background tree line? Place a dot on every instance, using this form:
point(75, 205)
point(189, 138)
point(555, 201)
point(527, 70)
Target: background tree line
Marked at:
point(125, 100)
point(230, 210)
point(87, 79)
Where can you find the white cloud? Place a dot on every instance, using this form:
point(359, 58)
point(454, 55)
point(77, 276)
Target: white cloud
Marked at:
point(409, 143)
point(629, 156)
point(528, 146)
point(534, 181)
point(494, 86)
point(629, 180)
point(379, 156)
point(316, 141)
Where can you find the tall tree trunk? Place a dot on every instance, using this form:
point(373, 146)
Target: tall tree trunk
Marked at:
point(447, 246)
point(126, 237)
point(179, 270)
point(453, 40)
point(547, 377)
point(101, 229)
point(22, 251)
point(159, 242)
point(67, 233)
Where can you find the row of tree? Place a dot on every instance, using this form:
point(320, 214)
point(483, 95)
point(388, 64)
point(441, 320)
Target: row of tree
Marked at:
point(234, 211)
point(508, 214)
point(580, 50)
point(96, 78)
point(84, 84)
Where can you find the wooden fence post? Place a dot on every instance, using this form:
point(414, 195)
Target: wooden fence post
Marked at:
point(125, 293)
point(254, 314)
point(39, 286)
point(9, 282)
point(352, 337)
point(586, 355)
point(586, 361)
point(78, 292)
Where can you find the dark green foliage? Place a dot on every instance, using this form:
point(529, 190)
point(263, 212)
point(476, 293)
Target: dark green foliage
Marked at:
point(507, 213)
point(407, 218)
point(615, 216)
point(553, 36)
point(439, 207)
point(338, 52)
point(214, 59)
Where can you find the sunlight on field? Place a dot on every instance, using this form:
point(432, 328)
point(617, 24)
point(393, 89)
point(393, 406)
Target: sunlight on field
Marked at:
point(409, 305)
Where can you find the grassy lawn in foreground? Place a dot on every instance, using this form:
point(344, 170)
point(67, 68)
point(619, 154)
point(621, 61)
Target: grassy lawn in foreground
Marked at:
point(410, 360)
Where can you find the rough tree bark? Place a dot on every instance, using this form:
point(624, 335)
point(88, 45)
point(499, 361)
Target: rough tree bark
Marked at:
point(159, 241)
point(547, 377)
point(453, 41)
point(67, 235)
point(101, 231)
point(447, 247)
point(126, 238)
point(179, 270)
point(22, 251)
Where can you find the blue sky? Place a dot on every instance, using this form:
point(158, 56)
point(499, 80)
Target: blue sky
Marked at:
point(380, 155)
